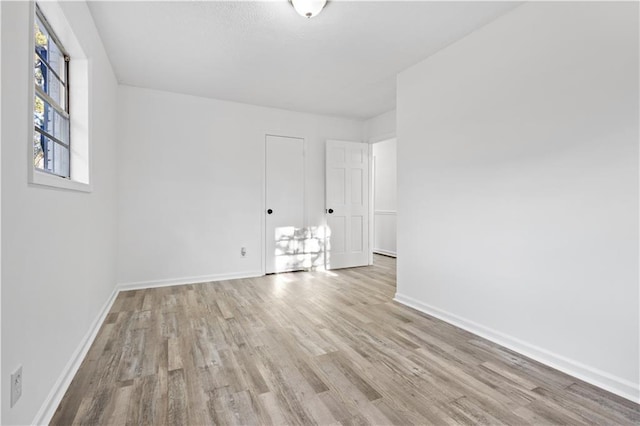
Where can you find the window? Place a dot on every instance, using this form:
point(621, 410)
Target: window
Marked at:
point(52, 128)
point(60, 128)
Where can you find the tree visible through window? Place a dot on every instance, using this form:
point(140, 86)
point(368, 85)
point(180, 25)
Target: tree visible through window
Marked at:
point(51, 151)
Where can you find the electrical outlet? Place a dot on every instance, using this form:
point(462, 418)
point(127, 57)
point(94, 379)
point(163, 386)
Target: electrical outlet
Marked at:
point(243, 251)
point(16, 386)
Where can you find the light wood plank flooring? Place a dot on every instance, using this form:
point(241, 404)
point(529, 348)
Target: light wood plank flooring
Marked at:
point(312, 348)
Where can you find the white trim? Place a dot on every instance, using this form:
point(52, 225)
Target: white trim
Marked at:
point(263, 215)
point(48, 408)
point(187, 280)
point(386, 212)
point(45, 179)
point(385, 252)
point(596, 377)
point(372, 203)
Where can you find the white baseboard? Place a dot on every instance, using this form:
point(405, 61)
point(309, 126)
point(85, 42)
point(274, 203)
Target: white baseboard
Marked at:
point(48, 408)
point(385, 252)
point(187, 280)
point(601, 379)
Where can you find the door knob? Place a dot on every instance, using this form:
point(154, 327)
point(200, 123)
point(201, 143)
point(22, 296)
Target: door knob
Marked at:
point(269, 211)
point(330, 211)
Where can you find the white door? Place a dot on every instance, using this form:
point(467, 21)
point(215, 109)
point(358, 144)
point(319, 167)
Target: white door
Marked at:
point(347, 204)
point(284, 210)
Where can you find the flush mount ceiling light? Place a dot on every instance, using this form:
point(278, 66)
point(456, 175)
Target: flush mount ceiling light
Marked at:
point(308, 8)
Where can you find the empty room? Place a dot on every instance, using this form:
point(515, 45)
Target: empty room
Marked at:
point(297, 212)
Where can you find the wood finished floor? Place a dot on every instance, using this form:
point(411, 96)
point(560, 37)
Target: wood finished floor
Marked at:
point(312, 348)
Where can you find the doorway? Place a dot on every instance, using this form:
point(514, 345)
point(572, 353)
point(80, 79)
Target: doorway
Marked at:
point(384, 170)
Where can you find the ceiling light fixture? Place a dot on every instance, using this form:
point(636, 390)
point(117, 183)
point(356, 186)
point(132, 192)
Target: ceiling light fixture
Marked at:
point(308, 8)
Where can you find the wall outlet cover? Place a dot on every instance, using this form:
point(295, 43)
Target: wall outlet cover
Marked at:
point(16, 386)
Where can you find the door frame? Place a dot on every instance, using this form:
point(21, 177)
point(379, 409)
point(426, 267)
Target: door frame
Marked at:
point(263, 217)
point(371, 141)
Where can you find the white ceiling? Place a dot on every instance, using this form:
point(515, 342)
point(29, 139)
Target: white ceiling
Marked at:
point(343, 62)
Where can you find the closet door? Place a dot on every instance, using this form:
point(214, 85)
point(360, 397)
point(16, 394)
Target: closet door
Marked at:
point(284, 211)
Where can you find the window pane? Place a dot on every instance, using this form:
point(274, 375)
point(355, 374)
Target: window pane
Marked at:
point(49, 155)
point(48, 49)
point(50, 150)
point(48, 82)
point(38, 152)
point(48, 119)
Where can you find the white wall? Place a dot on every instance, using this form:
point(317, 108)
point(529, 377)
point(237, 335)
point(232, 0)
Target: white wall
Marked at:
point(380, 127)
point(518, 186)
point(1, 376)
point(384, 196)
point(58, 246)
point(191, 182)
